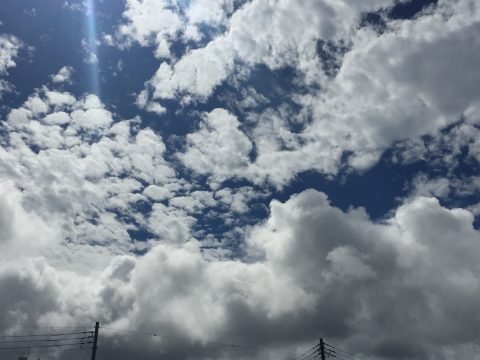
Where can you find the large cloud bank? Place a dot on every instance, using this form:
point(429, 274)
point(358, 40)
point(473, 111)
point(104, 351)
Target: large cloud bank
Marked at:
point(406, 287)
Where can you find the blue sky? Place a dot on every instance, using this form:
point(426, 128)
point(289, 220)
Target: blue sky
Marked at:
point(249, 172)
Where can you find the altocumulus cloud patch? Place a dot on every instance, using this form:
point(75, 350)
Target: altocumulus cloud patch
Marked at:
point(219, 176)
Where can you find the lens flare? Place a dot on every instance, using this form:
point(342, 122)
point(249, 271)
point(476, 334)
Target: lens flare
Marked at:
point(91, 47)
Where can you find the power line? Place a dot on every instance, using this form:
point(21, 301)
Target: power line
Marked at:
point(44, 340)
point(46, 327)
point(46, 335)
point(343, 353)
point(190, 340)
point(42, 346)
point(314, 349)
point(309, 354)
point(339, 355)
point(313, 355)
point(340, 352)
point(74, 348)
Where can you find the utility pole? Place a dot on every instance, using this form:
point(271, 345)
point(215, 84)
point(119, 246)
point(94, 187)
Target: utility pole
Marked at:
point(322, 349)
point(95, 338)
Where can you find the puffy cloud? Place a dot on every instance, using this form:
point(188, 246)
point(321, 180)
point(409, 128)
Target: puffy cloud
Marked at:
point(371, 286)
point(143, 102)
point(400, 96)
point(275, 155)
point(289, 40)
point(9, 48)
point(219, 148)
point(160, 23)
point(23, 233)
point(5, 87)
point(380, 95)
point(63, 75)
point(150, 22)
point(237, 199)
point(384, 91)
point(210, 12)
point(76, 181)
point(76, 165)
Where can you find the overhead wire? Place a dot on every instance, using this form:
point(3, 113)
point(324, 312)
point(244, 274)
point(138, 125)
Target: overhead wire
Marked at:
point(313, 355)
point(186, 339)
point(38, 343)
point(74, 348)
point(338, 354)
point(42, 346)
point(46, 335)
point(306, 353)
point(79, 327)
point(44, 340)
point(343, 352)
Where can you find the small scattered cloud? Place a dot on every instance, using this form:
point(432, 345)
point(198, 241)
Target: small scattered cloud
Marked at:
point(64, 75)
point(9, 49)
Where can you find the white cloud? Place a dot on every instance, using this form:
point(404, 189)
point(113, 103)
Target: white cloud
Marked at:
point(209, 12)
point(195, 201)
point(308, 257)
point(160, 193)
point(150, 22)
point(76, 165)
point(75, 179)
point(9, 48)
point(159, 23)
point(5, 87)
point(63, 75)
point(237, 199)
point(9, 51)
point(289, 39)
point(391, 86)
point(23, 233)
point(219, 148)
point(152, 106)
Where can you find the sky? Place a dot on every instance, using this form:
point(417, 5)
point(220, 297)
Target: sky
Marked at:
point(259, 173)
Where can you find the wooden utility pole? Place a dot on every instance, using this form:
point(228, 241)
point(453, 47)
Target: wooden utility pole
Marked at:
point(322, 349)
point(95, 338)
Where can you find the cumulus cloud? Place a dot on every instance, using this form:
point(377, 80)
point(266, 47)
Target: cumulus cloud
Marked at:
point(289, 40)
point(101, 221)
point(63, 75)
point(378, 281)
point(9, 51)
point(23, 233)
point(9, 48)
point(213, 13)
point(160, 23)
point(5, 87)
point(145, 103)
point(218, 148)
point(380, 94)
point(75, 164)
point(150, 23)
point(381, 283)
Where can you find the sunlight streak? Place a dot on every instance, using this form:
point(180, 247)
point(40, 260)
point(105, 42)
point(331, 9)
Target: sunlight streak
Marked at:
point(91, 47)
